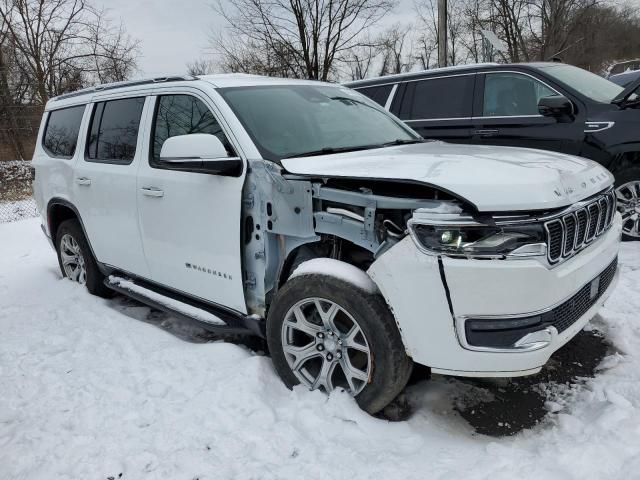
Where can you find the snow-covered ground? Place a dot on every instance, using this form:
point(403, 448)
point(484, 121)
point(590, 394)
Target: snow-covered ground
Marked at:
point(93, 389)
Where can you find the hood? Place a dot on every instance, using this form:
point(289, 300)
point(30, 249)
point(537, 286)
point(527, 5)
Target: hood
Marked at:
point(490, 178)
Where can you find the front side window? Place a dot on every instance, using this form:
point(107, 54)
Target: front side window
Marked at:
point(113, 133)
point(182, 115)
point(61, 132)
point(293, 120)
point(513, 94)
point(378, 94)
point(438, 98)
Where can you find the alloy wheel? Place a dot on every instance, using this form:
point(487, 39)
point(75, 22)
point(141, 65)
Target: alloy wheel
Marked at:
point(628, 196)
point(325, 346)
point(72, 259)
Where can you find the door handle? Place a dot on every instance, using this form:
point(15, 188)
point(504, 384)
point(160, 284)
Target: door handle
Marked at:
point(486, 133)
point(83, 181)
point(152, 192)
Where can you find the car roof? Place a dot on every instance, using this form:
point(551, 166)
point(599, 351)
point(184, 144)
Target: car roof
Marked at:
point(223, 80)
point(454, 70)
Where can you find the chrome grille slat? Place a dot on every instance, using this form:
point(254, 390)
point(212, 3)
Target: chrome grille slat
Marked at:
point(567, 234)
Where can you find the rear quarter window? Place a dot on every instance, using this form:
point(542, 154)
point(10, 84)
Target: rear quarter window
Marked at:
point(61, 133)
point(378, 94)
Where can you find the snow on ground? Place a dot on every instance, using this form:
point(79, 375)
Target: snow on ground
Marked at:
point(92, 389)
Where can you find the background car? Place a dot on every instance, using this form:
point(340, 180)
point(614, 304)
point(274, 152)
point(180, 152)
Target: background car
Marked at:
point(625, 79)
point(550, 106)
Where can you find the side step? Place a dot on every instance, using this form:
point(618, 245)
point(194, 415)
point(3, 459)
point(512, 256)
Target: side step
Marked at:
point(212, 318)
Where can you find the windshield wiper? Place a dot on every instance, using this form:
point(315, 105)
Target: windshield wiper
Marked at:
point(330, 150)
point(403, 141)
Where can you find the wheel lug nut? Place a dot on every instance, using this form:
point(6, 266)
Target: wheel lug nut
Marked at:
point(339, 354)
point(331, 334)
point(320, 347)
point(329, 357)
point(320, 335)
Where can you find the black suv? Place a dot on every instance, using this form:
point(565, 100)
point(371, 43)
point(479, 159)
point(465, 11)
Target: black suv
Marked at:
point(551, 106)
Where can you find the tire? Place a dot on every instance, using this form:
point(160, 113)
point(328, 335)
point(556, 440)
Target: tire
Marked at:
point(71, 242)
point(387, 368)
point(628, 182)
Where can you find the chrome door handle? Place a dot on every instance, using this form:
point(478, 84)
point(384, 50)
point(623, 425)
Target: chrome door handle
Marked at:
point(83, 181)
point(152, 192)
point(486, 133)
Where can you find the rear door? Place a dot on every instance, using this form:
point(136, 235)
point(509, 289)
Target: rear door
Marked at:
point(437, 107)
point(105, 182)
point(190, 222)
point(506, 113)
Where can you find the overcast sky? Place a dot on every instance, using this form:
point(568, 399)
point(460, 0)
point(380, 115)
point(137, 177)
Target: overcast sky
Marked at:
point(173, 34)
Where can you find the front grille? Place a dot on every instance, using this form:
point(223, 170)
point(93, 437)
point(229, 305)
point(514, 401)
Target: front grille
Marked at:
point(571, 232)
point(567, 313)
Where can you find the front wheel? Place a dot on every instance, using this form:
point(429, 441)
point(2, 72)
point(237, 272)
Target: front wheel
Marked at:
point(327, 334)
point(628, 197)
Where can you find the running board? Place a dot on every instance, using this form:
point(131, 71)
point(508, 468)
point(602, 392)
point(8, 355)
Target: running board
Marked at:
point(212, 318)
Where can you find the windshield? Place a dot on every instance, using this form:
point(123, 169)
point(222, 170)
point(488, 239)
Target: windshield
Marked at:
point(297, 120)
point(587, 83)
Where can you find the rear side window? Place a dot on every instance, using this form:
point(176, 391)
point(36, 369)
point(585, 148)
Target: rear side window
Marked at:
point(113, 133)
point(61, 132)
point(182, 115)
point(377, 94)
point(450, 97)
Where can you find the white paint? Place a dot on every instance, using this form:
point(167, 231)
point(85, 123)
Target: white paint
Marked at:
point(337, 269)
point(183, 308)
point(410, 282)
point(492, 178)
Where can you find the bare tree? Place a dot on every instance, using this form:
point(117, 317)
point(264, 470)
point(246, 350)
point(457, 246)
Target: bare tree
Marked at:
point(360, 59)
point(396, 51)
point(201, 66)
point(63, 44)
point(297, 38)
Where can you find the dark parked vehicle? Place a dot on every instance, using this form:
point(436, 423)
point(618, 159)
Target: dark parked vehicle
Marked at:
point(550, 106)
point(625, 79)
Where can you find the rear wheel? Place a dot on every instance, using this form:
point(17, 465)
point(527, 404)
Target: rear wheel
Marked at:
point(76, 260)
point(328, 334)
point(628, 195)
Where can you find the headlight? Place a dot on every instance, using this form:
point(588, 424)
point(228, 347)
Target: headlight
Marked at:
point(465, 237)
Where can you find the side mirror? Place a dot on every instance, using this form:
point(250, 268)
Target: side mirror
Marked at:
point(200, 153)
point(557, 106)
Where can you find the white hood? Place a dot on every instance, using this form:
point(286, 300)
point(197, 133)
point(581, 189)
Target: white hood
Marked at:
point(491, 178)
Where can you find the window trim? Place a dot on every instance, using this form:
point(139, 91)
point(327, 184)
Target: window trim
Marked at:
point(152, 129)
point(46, 128)
point(94, 107)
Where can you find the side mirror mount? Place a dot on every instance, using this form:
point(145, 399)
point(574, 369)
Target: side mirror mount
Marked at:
point(199, 153)
point(557, 106)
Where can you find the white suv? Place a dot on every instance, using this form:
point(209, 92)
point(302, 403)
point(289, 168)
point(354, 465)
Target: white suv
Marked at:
point(305, 213)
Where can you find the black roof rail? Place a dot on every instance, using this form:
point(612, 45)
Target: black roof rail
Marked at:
point(128, 83)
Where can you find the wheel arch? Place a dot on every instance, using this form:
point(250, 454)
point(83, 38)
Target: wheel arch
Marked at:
point(60, 210)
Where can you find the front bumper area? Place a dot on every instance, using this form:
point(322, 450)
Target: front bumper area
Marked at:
point(434, 298)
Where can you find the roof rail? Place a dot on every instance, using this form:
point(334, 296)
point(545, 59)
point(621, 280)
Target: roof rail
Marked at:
point(129, 83)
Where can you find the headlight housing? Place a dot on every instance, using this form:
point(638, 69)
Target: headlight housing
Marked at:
point(456, 235)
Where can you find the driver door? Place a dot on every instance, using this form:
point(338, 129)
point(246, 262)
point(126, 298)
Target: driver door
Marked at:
point(508, 115)
point(190, 222)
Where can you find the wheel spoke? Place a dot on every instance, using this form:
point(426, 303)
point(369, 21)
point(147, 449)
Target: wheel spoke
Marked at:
point(351, 373)
point(351, 342)
point(301, 354)
point(68, 259)
point(302, 323)
point(327, 316)
point(324, 378)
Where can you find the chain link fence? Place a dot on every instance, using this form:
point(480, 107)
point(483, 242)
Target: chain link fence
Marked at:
point(16, 192)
